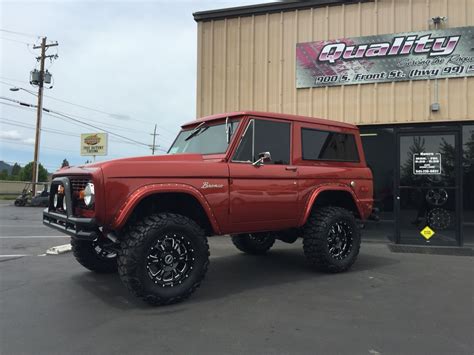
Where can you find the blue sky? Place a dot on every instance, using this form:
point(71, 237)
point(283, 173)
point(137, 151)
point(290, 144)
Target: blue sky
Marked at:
point(135, 59)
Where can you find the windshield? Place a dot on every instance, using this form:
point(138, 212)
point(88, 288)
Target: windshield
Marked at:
point(204, 139)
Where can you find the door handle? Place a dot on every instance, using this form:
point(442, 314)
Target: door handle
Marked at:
point(291, 168)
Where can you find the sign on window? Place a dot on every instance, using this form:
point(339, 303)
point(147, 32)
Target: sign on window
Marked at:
point(426, 163)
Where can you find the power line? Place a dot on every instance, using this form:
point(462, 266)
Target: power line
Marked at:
point(32, 127)
point(74, 119)
point(31, 145)
point(113, 115)
point(9, 79)
point(118, 127)
point(50, 130)
point(69, 117)
point(14, 40)
point(48, 114)
point(20, 33)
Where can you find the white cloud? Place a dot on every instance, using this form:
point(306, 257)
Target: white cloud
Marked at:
point(29, 141)
point(12, 135)
point(15, 136)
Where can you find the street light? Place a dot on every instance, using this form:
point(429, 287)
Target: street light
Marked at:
point(15, 88)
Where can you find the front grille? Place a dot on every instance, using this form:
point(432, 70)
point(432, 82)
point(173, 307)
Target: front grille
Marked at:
point(78, 184)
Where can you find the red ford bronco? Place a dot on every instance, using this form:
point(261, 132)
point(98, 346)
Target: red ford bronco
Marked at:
point(259, 177)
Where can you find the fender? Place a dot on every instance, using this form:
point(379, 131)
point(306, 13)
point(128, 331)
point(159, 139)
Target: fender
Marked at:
point(138, 195)
point(329, 187)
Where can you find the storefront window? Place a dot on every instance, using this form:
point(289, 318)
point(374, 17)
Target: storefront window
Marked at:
point(468, 183)
point(379, 148)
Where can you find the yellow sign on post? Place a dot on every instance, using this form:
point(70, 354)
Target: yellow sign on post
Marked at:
point(427, 232)
point(94, 144)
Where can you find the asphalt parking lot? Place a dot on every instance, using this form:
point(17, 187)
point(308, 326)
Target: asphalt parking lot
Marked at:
point(389, 303)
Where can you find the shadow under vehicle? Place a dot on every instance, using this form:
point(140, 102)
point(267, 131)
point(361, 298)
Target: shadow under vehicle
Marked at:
point(27, 199)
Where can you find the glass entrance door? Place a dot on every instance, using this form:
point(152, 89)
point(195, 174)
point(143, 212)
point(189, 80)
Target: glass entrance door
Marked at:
point(427, 188)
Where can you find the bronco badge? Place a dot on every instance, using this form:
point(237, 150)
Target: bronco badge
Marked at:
point(208, 185)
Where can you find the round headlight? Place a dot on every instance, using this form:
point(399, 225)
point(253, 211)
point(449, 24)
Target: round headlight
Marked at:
point(89, 194)
point(64, 203)
point(56, 201)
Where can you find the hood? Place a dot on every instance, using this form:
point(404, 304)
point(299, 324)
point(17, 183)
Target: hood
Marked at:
point(154, 166)
point(146, 158)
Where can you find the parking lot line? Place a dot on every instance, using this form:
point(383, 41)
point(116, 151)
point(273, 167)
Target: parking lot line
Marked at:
point(32, 236)
point(13, 255)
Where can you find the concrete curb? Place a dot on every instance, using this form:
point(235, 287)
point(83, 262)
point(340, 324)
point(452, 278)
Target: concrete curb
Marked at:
point(59, 249)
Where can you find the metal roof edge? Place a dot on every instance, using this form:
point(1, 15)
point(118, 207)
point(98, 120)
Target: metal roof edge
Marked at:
point(259, 9)
point(284, 116)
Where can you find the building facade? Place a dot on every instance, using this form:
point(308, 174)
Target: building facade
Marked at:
point(402, 70)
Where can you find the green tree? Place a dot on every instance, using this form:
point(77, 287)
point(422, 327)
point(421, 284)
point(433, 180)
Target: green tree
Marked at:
point(16, 169)
point(4, 174)
point(65, 163)
point(27, 173)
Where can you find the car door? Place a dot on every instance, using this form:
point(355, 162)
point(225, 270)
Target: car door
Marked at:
point(263, 197)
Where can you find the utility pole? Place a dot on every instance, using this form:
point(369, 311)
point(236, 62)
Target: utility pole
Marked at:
point(154, 140)
point(39, 111)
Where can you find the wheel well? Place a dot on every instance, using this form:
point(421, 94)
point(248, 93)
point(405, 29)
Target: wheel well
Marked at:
point(337, 198)
point(179, 203)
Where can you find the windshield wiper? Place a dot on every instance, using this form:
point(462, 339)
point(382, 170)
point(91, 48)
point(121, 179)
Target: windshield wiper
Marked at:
point(198, 129)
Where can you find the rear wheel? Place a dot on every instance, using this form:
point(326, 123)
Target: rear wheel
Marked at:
point(94, 256)
point(164, 258)
point(19, 203)
point(331, 239)
point(253, 243)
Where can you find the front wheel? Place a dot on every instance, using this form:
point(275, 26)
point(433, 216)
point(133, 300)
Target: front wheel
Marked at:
point(331, 239)
point(163, 258)
point(253, 243)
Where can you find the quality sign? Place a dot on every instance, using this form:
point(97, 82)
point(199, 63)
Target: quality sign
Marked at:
point(424, 55)
point(94, 144)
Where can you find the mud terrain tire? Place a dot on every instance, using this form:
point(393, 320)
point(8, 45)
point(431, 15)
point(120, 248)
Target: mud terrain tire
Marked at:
point(253, 243)
point(85, 253)
point(163, 258)
point(331, 239)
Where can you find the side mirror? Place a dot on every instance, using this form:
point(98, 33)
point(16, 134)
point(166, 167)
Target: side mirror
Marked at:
point(228, 132)
point(263, 158)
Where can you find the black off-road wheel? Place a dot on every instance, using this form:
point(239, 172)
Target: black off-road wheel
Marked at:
point(94, 256)
point(253, 243)
point(164, 258)
point(331, 239)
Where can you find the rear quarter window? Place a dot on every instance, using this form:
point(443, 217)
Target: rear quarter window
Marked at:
point(328, 146)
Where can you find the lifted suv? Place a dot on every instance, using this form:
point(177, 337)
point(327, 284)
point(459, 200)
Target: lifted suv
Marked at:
point(256, 176)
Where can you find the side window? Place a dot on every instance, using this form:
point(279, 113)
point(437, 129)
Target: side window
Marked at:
point(325, 145)
point(265, 136)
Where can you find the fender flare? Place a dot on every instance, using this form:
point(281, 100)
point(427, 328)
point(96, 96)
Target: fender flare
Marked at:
point(124, 212)
point(322, 188)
